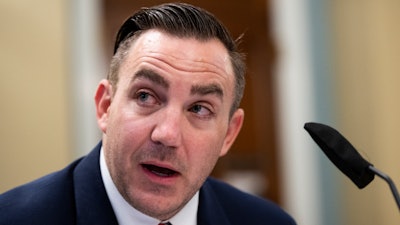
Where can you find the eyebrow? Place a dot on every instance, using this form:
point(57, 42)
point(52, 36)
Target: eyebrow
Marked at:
point(152, 76)
point(207, 90)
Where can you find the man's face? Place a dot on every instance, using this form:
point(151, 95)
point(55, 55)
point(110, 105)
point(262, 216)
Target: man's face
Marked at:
point(166, 122)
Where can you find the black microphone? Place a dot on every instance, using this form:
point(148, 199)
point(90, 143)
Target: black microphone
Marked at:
point(342, 153)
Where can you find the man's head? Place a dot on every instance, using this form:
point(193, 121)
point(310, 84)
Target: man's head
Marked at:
point(166, 111)
point(180, 20)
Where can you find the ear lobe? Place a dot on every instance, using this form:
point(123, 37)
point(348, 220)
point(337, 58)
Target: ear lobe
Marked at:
point(103, 99)
point(235, 125)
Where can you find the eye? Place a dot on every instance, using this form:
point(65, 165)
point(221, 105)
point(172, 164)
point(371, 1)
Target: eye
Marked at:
point(201, 110)
point(145, 98)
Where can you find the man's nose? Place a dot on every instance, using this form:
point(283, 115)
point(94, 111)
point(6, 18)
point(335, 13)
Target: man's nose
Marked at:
point(168, 128)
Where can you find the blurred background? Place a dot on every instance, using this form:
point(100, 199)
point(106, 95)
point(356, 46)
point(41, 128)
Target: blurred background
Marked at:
point(333, 62)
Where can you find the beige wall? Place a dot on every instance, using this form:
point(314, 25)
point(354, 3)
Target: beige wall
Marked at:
point(34, 137)
point(366, 37)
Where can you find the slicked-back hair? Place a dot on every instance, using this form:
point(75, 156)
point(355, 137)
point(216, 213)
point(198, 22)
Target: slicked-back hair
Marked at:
point(183, 21)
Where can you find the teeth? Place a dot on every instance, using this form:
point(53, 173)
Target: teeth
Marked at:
point(160, 174)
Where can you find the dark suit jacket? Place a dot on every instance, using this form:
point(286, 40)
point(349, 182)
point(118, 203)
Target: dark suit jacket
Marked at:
point(76, 195)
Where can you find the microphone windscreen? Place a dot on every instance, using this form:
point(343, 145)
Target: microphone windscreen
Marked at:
point(340, 151)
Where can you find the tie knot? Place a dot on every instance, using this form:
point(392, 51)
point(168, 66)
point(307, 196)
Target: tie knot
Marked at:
point(165, 223)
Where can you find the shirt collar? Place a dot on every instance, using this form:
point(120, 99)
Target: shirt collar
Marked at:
point(126, 214)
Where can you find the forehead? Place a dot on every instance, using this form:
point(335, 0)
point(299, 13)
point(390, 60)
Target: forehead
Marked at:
point(182, 54)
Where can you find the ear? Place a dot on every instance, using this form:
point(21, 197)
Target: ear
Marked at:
point(235, 124)
point(103, 99)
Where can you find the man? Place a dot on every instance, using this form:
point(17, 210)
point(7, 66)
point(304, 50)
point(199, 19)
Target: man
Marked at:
point(168, 110)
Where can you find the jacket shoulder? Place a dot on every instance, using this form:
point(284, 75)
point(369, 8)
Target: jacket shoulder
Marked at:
point(43, 201)
point(244, 208)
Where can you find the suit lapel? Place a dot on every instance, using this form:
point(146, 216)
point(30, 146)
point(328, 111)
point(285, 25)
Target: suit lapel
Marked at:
point(210, 211)
point(92, 203)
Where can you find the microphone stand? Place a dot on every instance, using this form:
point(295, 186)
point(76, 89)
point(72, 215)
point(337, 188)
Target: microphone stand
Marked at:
point(389, 181)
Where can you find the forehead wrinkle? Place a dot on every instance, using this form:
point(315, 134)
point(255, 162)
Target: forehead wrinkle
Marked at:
point(189, 65)
point(207, 89)
point(152, 76)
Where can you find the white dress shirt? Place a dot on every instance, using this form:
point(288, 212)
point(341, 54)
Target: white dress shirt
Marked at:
point(127, 215)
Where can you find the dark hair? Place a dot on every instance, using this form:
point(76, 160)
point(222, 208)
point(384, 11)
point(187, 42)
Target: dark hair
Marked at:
point(181, 20)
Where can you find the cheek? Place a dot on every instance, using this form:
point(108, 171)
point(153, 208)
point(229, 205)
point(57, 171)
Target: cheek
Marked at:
point(202, 165)
point(123, 138)
point(205, 150)
point(126, 126)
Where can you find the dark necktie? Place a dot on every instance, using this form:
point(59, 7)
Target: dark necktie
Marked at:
point(166, 223)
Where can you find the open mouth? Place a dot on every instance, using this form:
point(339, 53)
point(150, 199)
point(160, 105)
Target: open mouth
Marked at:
point(160, 171)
